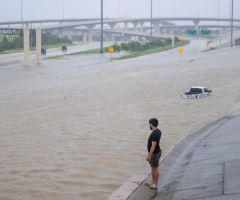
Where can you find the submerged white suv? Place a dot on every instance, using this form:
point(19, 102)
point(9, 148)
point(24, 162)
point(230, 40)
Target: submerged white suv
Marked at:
point(197, 92)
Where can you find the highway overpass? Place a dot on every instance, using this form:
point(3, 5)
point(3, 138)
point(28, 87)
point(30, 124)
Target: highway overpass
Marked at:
point(126, 26)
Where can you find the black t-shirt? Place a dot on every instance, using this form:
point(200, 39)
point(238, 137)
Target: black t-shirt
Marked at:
point(155, 136)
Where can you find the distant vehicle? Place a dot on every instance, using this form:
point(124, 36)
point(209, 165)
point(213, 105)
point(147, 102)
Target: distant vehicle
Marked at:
point(237, 41)
point(43, 51)
point(196, 92)
point(64, 49)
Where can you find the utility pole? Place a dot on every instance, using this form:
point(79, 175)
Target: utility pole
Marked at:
point(218, 11)
point(101, 45)
point(151, 20)
point(21, 10)
point(63, 9)
point(232, 10)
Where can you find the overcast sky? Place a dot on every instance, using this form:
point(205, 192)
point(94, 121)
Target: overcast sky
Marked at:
point(42, 9)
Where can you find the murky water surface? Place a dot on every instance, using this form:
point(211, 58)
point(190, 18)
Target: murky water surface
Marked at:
point(77, 128)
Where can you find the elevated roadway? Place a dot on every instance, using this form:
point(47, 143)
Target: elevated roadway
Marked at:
point(118, 20)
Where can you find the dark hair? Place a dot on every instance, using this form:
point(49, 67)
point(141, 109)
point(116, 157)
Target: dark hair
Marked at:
point(154, 122)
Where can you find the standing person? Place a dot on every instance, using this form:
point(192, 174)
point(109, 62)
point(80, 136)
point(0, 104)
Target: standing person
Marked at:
point(154, 152)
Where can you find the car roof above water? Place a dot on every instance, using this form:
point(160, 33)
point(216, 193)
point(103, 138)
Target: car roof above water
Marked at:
point(199, 87)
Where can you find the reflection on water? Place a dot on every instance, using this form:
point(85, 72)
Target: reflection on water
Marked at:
point(76, 128)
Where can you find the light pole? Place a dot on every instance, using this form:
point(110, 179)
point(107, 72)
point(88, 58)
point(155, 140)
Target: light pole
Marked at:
point(63, 9)
point(21, 10)
point(218, 11)
point(232, 10)
point(151, 19)
point(101, 45)
point(118, 8)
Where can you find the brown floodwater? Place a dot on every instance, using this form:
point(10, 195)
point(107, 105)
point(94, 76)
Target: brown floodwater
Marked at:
point(77, 128)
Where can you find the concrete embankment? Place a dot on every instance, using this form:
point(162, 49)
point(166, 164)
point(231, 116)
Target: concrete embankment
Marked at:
point(203, 166)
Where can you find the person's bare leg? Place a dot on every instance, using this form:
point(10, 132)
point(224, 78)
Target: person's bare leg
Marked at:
point(156, 175)
point(153, 177)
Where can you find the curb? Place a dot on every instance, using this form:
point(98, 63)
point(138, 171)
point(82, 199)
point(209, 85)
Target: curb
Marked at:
point(133, 184)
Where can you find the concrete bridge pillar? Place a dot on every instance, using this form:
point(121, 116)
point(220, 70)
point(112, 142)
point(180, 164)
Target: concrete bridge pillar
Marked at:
point(143, 39)
point(173, 37)
point(161, 30)
point(38, 46)
point(164, 31)
point(70, 34)
point(125, 26)
point(89, 36)
point(127, 38)
point(157, 28)
point(141, 27)
point(122, 37)
point(26, 47)
point(84, 36)
point(106, 36)
point(196, 23)
point(56, 32)
point(109, 37)
point(135, 26)
point(113, 37)
point(112, 26)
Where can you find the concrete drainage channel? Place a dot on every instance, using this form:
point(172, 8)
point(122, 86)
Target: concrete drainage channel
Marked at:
point(171, 168)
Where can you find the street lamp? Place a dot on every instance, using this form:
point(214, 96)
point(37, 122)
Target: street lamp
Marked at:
point(63, 9)
point(101, 45)
point(151, 19)
point(218, 11)
point(21, 10)
point(232, 10)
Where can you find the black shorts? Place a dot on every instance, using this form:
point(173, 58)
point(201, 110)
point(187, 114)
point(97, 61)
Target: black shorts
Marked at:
point(154, 162)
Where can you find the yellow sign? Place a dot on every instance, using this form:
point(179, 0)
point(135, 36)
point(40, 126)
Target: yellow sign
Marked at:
point(181, 50)
point(110, 50)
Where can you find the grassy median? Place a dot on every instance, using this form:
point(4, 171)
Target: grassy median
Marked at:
point(133, 49)
point(133, 54)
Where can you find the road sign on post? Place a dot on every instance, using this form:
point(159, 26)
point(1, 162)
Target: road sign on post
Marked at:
point(191, 32)
point(181, 52)
point(206, 32)
point(110, 50)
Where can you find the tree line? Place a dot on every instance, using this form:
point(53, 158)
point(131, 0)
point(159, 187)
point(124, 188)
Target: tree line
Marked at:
point(16, 41)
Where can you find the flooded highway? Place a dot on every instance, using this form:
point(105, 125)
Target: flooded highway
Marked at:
point(77, 128)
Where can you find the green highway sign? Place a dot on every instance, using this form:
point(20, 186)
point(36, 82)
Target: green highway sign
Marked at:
point(191, 32)
point(206, 32)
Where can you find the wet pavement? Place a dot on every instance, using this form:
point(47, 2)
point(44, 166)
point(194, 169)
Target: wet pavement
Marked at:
point(204, 166)
point(13, 58)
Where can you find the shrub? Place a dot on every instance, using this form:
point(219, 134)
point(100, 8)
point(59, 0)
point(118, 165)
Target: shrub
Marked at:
point(16, 42)
point(138, 46)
